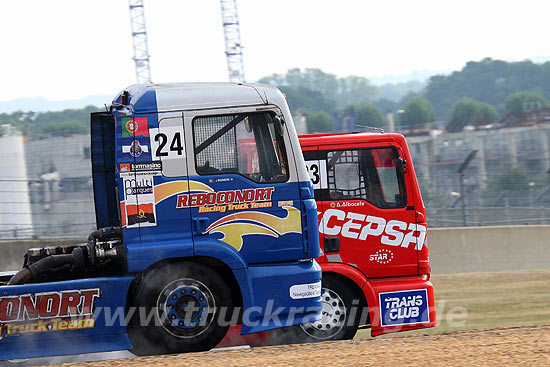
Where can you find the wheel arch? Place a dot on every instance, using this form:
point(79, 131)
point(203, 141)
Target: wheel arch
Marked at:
point(220, 267)
point(355, 279)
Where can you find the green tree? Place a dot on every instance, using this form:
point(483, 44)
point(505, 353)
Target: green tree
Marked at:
point(519, 102)
point(64, 128)
point(488, 81)
point(470, 112)
point(308, 99)
point(318, 121)
point(342, 91)
point(464, 113)
point(487, 113)
point(365, 114)
point(417, 113)
point(36, 124)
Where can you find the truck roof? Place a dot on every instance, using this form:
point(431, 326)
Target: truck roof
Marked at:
point(349, 138)
point(146, 98)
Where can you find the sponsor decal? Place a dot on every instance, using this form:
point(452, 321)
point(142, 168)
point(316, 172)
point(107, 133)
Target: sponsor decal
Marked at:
point(301, 291)
point(142, 185)
point(191, 194)
point(345, 204)
point(47, 312)
point(404, 307)
point(360, 226)
point(150, 168)
point(235, 199)
point(235, 226)
point(138, 207)
point(285, 203)
point(134, 126)
point(140, 213)
point(135, 149)
point(382, 256)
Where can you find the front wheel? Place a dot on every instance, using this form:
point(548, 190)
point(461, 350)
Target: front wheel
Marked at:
point(340, 314)
point(340, 317)
point(177, 310)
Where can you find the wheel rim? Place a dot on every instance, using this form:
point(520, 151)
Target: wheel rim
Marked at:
point(333, 317)
point(186, 308)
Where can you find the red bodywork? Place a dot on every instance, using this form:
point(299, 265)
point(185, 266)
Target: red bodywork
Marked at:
point(377, 260)
point(383, 244)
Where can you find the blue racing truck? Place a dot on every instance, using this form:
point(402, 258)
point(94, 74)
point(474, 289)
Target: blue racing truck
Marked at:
point(205, 218)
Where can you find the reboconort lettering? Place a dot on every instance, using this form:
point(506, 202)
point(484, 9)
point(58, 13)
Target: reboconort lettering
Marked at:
point(48, 305)
point(225, 197)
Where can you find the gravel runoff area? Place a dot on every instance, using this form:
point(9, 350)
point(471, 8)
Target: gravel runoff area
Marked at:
point(519, 346)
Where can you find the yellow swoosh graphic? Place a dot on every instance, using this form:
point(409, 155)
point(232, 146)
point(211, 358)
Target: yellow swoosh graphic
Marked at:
point(233, 233)
point(234, 228)
point(167, 189)
point(290, 223)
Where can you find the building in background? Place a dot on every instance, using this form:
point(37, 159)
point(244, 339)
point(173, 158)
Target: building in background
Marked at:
point(15, 207)
point(60, 185)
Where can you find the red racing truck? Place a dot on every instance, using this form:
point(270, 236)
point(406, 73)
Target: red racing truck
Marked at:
point(372, 228)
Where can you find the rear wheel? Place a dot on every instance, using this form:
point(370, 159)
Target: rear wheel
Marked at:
point(178, 310)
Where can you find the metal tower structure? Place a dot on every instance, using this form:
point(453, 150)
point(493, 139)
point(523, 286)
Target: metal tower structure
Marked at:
point(232, 34)
point(139, 40)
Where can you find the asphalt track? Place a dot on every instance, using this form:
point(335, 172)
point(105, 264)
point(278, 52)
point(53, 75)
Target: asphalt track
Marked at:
point(519, 346)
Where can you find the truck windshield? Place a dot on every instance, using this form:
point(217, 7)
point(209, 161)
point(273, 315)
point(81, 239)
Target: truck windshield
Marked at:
point(367, 174)
point(246, 144)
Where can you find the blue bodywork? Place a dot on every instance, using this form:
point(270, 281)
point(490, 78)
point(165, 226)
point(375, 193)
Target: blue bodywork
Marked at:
point(265, 266)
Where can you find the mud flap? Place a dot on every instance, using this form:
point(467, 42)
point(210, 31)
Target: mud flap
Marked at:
point(400, 304)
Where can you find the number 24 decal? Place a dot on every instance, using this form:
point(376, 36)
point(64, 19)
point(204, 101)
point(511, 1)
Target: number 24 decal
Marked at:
point(167, 142)
point(175, 146)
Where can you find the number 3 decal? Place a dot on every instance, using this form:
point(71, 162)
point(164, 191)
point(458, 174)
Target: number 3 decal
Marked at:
point(318, 173)
point(167, 143)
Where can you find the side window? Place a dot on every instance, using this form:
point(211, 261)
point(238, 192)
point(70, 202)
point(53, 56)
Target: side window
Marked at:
point(368, 174)
point(246, 144)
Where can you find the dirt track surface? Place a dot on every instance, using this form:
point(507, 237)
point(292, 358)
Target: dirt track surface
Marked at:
point(521, 346)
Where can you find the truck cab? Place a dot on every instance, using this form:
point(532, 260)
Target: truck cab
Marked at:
point(372, 229)
point(206, 217)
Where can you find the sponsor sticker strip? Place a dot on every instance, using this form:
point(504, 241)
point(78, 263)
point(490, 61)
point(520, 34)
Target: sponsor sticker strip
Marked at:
point(47, 312)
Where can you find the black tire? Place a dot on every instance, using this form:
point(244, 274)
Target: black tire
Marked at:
point(341, 315)
point(186, 299)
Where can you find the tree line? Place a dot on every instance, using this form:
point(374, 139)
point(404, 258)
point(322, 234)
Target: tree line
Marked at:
point(479, 94)
point(53, 123)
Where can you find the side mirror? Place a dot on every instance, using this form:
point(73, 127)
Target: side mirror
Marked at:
point(401, 165)
point(278, 122)
point(247, 125)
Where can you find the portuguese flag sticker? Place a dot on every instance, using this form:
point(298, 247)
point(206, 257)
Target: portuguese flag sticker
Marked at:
point(136, 126)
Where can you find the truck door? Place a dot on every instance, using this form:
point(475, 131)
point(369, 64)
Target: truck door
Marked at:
point(245, 192)
point(366, 207)
point(167, 171)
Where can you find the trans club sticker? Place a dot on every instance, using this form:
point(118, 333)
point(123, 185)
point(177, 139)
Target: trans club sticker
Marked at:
point(404, 307)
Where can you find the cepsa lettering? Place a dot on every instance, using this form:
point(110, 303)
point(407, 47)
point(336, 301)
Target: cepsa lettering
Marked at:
point(359, 226)
point(48, 305)
point(225, 197)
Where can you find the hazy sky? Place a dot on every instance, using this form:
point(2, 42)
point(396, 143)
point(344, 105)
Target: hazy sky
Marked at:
point(63, 49)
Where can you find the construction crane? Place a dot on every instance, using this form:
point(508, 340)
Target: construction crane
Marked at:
point(232, 34)
point(139, 39)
